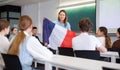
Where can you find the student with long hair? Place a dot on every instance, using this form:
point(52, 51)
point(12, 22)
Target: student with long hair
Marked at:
point(26, 46)
point(116, 44)
point(103, 37)
point(4, 30)
point(84, 41)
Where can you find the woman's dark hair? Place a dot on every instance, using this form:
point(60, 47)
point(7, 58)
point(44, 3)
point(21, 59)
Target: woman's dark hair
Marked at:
point(107, 38)
point(118, 30)
point(85, 24)
point(13, 28)
point(65, 20)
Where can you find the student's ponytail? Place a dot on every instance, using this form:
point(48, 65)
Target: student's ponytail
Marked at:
point(107, 42)
point(14, 47)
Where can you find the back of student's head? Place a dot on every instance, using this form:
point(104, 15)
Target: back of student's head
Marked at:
point(107, 38)
point(3, 24)
point(85, 24)
point(24, 23)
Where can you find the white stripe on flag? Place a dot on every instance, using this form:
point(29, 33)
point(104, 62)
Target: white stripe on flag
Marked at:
point(57, 36)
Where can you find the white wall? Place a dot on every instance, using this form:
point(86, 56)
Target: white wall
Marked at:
point(32, 11)
point(48, 10)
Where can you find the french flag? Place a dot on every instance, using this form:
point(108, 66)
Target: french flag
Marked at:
point(56, 36)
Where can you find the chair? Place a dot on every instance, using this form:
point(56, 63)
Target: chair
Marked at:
point(114, 49)
point(89, 54)
point(11, 62)
point(106, 68)
point(118, 60)
point(65, 51)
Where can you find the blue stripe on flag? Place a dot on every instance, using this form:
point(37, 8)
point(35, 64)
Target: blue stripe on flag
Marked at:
point(47, 29)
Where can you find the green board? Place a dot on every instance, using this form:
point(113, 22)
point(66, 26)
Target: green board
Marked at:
point(75, 14)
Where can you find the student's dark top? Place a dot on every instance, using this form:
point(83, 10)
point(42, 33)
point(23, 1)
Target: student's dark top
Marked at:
point(38, 39)
point(116, 44)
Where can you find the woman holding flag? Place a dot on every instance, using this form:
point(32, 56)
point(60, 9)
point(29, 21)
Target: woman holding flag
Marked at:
point(62, 20)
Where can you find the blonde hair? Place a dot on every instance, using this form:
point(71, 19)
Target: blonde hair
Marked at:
point(24, 22)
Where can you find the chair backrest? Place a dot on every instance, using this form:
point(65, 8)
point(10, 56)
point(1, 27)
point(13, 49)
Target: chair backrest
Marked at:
point(65, 51)
point(11, 62)
point(106, 68)
point(114, 49)
point(90, 54)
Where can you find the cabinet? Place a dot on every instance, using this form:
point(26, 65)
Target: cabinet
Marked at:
point(10, 13)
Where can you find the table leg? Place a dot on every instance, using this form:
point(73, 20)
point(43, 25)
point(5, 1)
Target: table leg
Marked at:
point(48, 66)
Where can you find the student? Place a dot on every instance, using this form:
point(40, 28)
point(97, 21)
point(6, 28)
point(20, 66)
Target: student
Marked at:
point(103, 37)
point(35, 34)
point(62, 20)
point(84, 41)
point(14, 32)
point(26, 46)
point(4, 42)
point(116, 44)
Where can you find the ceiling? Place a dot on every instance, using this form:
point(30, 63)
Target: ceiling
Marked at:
point(24, 2)
point(19, 2)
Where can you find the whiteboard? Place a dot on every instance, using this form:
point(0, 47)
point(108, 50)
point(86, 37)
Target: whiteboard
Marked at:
point(108, 14)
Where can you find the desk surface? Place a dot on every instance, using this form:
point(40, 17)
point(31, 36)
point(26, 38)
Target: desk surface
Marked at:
point(74, 63)
point(109, 54)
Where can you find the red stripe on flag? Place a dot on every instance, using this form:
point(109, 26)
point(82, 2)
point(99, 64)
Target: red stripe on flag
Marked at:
point(67, 42)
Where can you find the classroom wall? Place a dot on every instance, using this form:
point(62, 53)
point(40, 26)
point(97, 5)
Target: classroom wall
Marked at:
point(48, 9)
